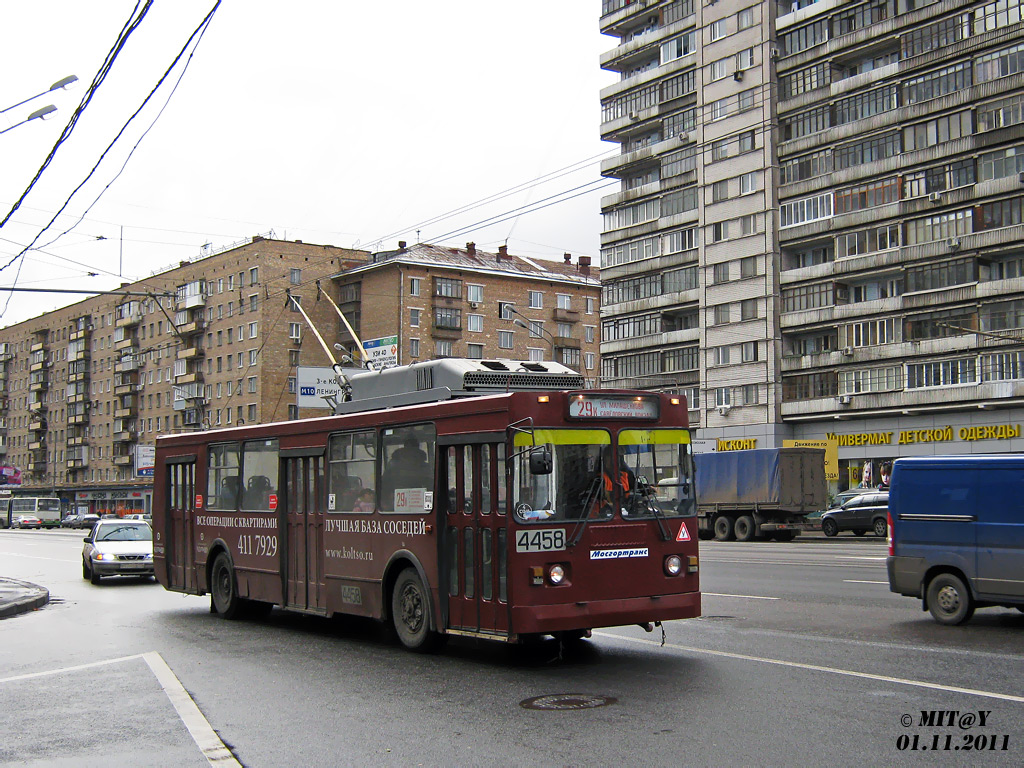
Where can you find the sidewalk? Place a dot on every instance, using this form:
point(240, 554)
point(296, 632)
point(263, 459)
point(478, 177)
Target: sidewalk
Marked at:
point(20, 596)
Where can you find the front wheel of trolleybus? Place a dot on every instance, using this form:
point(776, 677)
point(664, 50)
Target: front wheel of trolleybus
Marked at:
point(410, 613)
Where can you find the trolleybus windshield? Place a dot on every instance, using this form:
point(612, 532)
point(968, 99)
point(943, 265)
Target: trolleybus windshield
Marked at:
point(589, 481)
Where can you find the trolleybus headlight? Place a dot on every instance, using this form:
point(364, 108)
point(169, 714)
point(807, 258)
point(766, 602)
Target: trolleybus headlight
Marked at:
point(556, 574)
point(673, 565)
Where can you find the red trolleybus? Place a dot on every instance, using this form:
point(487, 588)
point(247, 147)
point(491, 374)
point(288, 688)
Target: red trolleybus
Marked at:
point(505, 515)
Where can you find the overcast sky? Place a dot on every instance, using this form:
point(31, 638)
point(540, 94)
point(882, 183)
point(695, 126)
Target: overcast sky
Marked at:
point(330, 121)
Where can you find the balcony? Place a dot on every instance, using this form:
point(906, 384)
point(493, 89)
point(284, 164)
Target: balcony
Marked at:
point(125, 436)
point(78, 418)
point(122, 366)
point(126, 388)
point(80, 334)
point(77, 442)
point(566, 315)
point(125, 411)
point(128, 343)
point(37, 467)
point(189, 353)
point(39, 385)
point(77, 397)
point(446, 331)
point(38, 445)
point(123, 461)
point(196, 325)
point(128, 319)
point(37, 366)
point(192, 377)
point(3, 447)
point(4, 404)
point(78, 463)
point(37, 424)
point(75, 377)
point(566, 342)
point(37, 346)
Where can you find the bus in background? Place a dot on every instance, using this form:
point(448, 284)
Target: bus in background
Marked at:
point(451, 497)
point(46, 508)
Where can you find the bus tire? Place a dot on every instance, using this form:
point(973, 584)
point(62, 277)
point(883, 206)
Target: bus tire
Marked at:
point(410, 613)
point(745, 528)
point(949, 600)
point(223, 588)
point(723, 528)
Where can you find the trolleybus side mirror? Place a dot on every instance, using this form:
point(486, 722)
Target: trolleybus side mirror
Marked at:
point(540, 461)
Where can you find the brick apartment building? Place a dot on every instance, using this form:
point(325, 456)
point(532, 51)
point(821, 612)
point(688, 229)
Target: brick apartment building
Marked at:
point(431, 301)
point(209, 343)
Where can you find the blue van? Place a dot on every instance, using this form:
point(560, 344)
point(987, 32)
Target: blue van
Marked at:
point(956, 533)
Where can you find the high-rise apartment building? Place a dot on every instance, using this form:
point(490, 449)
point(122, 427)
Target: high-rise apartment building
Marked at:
point(212, 342)
point(820, 229)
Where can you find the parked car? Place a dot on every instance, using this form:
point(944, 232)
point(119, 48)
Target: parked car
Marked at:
point(837, 501)
point(860, 514)
point(86, 521)
point(26, 521)
point(69, 521)
point(118, 548)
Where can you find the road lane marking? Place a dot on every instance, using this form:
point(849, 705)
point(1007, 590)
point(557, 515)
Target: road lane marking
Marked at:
point(742, 597)
point(858, 581)
point(199, 728)
point(209, 743)
point(860, 557)
point(818, 668)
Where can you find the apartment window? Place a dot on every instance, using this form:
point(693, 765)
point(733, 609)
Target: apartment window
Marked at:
point(588, 361)
point(748, 266)
point(807, 297)
point(745, 59)
point(721, 272)
point(806, 166)
point(475, 323)
point(414, 347)
point(747, 99)
point(295, 303)
point(749, 394)
point(943, 129)
point(678, 163)
point(252, 384)
point(677, 47)
point(721, 355)
point(253, 356)
point(723, 397)
point(563, 301)
point(748, 224)
point(808, 386)
point(867, 151)
point(745, 18)
point(870, 333)
point(805, 123)
point(719, 70)
point(719, 191)
point(505, 339)
point(293, 358)
point(947, 373)
point(721, 314)
point(535, 354)
point(719, 150)
point(718, 30)
point(942, 226)
point(805, 37)
point(475, 351)
point(590, 305)
point(505, 310)
point(253, 330)
point(474, 293)
point(448, 317)
point(888, 379)
point(748, 351)
point(805, 210)
point(295, 276)
point(749, 182)
point(678, 202)
point(414, 318)
point(679, 123)
point(1002, 213)
point(1001, 114)
point(745, 141)
point(414, 286)
point(254, 276)
point(719, 109)
point(803, 80)
point(254, 302)
point(1002, 163)
point(444, 348)
point(1006, 366)
point(231, 282)
point(863, 105)
point(294, 331)
point(448, 287)
point(874, 193)
point(719, 231)
point(748, 309)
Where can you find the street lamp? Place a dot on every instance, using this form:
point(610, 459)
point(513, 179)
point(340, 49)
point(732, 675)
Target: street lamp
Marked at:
point(61, 84)
point(42, 113)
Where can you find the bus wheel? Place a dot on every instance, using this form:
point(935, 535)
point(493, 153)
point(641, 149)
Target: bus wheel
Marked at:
point(723, 528)
point(745, 528)
point(409, 613)
point(223, 590)
point(949, 600)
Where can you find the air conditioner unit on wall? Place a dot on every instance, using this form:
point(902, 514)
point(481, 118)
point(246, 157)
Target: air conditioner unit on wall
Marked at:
point(935, 197)
point(847, 351)
point(724, 409)
point(844, 399)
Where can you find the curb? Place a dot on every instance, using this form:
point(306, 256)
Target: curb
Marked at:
point(18, 597)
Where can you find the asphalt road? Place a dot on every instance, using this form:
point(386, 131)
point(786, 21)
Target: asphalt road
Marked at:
point(803, 657)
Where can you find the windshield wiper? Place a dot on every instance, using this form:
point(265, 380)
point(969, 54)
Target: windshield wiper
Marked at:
point(589, 497)
point(645, 495)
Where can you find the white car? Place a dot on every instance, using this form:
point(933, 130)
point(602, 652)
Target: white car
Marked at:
point(118, 548)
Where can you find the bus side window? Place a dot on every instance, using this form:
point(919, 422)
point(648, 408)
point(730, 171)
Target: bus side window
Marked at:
point(222, 486)
point(351, 468)
point(260, 473)
point(408, 462)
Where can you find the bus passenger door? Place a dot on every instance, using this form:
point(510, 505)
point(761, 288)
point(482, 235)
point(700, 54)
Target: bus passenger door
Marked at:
point(303, 528)
point(179, 547)
point(474, 561)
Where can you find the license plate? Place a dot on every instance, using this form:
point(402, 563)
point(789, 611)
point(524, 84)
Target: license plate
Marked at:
point(542, 540)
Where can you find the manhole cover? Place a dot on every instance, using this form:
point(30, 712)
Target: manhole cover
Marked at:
point(567, 701)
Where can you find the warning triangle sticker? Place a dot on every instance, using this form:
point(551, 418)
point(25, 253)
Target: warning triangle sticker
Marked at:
point(684, 535)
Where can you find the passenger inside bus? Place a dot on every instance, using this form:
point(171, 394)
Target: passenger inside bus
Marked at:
point(407, 468)
point(348, 490)
point(365, 501)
